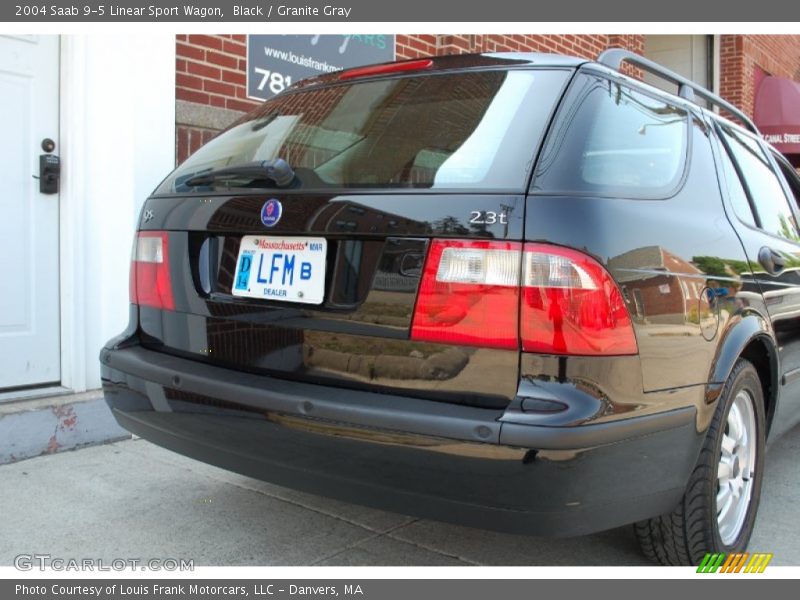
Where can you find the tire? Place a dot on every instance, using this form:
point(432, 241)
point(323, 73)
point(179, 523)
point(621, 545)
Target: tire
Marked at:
point(693, 528)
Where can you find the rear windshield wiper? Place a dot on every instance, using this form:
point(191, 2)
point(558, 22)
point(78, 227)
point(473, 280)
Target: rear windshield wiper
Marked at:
point(276, 170)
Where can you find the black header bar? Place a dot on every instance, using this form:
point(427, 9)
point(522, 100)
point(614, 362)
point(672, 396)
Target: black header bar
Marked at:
point(422, 11)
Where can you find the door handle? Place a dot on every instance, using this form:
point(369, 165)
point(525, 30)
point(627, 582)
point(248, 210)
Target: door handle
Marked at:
point(49, 173)
point(49, 168)
point(772, 261)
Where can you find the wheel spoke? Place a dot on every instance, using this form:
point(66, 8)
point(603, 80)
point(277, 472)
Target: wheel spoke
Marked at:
point(724, 471)
point(724, 497)
point(745, 491)
point(725, 510)
point(743, 443)
point(728, 445)
point(735, 427)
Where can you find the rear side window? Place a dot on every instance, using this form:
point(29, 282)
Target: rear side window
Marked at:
point(736, 193)
point(773, 211)
point(473, 130)
point(613, 140)
point(791, 176)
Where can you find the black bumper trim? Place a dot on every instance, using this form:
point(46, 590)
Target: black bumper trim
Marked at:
point(464, 490)
point(377, 410)
point(381, 411)
point(428, 459)
point(600, 434)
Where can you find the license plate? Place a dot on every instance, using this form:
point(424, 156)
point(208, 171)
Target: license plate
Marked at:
point(287, 269)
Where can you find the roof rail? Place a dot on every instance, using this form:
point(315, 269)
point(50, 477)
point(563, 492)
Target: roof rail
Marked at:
point(614, 57)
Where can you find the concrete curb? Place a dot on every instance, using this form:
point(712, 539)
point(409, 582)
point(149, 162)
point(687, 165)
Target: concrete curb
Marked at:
point(48, 425)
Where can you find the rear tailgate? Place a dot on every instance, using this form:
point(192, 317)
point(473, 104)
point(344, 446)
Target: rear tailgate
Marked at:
point(359, 335)
point(382, 167)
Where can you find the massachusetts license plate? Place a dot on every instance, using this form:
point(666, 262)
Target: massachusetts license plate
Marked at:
point(289, 269)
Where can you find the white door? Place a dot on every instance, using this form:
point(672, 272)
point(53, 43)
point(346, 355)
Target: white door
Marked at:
point(687, 55)
point(29, 286)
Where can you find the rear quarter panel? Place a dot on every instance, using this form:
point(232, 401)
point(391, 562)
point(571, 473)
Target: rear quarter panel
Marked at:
point(678, 263)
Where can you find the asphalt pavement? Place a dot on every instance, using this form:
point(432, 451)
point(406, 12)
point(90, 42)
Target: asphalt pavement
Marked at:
point(132, 499)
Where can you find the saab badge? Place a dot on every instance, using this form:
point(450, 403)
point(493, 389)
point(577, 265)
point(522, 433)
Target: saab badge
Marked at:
point(271, 212)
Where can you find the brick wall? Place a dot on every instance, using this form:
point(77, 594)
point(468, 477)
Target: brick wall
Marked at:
point(210, 69)
point(588, 46)
point(741, 55)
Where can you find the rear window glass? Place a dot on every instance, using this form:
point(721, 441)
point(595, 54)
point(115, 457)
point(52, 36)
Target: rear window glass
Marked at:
point(738, 197)
point(614, 140)
point(476, 130)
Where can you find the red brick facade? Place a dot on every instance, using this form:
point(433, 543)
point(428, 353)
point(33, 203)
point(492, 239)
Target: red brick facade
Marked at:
point(589, 46)
point(210, 69)
point(742, 56)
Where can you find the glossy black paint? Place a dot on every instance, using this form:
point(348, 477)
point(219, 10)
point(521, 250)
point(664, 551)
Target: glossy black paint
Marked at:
point(687, 270)
point(342, 214)
point(359, 336)
point(778, 295)
point(656, 250)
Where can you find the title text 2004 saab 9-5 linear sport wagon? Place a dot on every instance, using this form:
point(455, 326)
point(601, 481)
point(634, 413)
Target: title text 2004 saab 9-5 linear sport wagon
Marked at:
point(519, 291)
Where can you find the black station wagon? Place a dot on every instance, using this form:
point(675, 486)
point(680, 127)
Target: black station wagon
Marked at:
point(525, 292)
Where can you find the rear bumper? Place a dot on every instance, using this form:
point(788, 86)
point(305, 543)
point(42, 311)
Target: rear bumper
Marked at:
point(429, 459)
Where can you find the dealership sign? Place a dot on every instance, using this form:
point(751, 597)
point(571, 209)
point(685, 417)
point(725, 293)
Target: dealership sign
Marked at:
point(786, 139)
point(274, 62)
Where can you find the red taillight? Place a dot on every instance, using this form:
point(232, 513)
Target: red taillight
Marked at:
point(570, 305)
point(565, 303)
point(150, 283)
point(469, 294)
point(400, 67)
